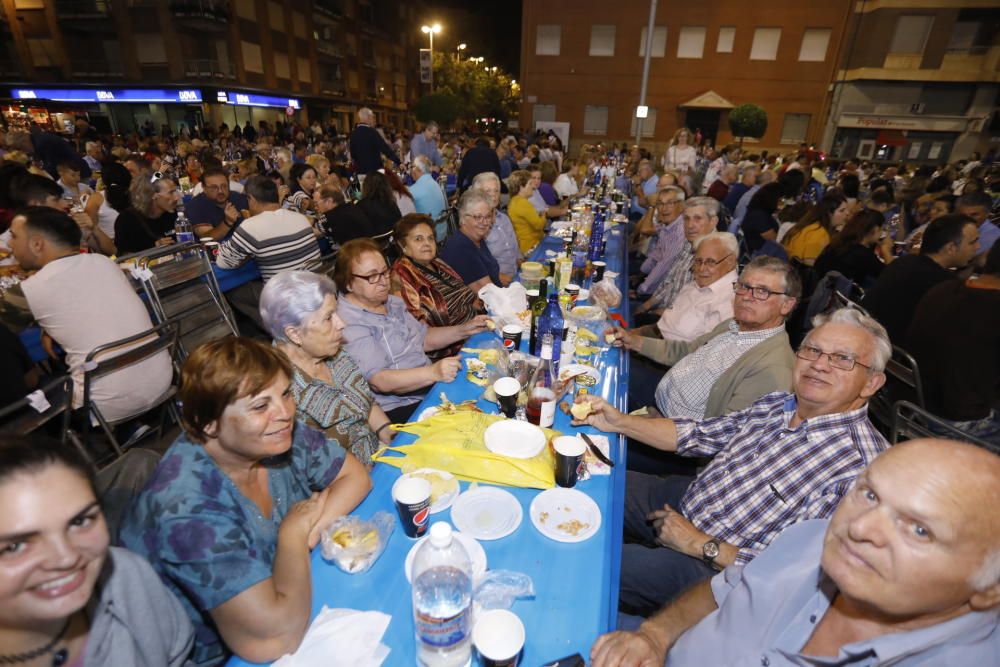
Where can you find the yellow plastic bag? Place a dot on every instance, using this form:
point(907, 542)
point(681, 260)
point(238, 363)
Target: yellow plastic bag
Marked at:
point(454, 442)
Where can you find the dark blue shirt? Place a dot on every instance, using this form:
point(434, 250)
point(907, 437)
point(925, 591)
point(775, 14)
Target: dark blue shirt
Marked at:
point(203, 211)
point(472, 262)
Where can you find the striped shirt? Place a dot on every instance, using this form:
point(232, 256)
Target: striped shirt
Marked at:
point(677, 277)
point(683, 391)
point(766, 475)
point(279, 240)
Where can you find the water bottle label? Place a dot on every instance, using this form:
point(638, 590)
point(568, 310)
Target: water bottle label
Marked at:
point(184, 237)
point(442, 632)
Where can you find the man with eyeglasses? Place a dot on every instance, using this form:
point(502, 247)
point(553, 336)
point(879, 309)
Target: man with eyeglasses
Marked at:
point(216, 211)
point(787, 458)
point(665, 224)
point(701, 216)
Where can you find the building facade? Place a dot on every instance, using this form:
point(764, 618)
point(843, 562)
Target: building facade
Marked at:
point(208, 61)
point(919, 82)
point(582, 61)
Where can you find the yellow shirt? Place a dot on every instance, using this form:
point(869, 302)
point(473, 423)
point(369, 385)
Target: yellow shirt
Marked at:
point(529, 225)
point(808, 243)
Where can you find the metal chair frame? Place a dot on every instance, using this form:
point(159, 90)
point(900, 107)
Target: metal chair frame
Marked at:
point(165, 338)
point(32, 420)
point(911, 421)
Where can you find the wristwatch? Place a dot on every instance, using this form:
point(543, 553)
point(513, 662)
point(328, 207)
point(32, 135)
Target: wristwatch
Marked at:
point(710, 551)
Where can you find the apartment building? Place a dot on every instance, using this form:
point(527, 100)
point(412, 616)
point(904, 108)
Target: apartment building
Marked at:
point(582, 60)
point(196, 61)
point(919, 82)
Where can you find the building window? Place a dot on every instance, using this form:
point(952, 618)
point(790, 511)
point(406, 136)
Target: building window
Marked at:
point(305, 70)
point(659, 42)
point(727, 35)
point(150, 48)
point(765, 44)
point(648, 124)
point(795, 128)
point(691, 43)
point(252, 61)
point(547, 38)
point(971, 37)
point(911, 34)
point(282, 69)
point(543, 113)
point(276, 14)
point(602, 40)
point(246, 9)
point(42, 51)
point(814, 43)
point(595, 120)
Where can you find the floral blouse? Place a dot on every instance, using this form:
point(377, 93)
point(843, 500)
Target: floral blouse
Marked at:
point(340, 409)
point(209, 542)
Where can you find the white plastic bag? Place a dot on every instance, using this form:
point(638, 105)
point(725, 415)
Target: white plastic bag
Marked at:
point(354, 544)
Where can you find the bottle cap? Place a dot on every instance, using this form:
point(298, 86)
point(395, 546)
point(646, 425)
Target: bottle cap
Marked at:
point(441, 534)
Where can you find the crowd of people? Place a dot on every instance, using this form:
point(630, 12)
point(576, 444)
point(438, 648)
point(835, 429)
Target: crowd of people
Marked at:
point(762, 505)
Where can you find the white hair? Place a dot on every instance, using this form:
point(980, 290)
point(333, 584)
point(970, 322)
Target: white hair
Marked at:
point(422, 163)
point(711, 205)
point(290, 298)
point(482, 177)
point(728, 240)
point(882, 351)
point(473, 197)
point(90, 144)
point(676, 189)
point(284, 154)
point(988, 574)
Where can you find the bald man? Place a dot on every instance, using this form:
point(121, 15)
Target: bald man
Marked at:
point(906, 572)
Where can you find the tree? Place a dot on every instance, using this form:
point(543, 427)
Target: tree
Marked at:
point(439, 106)
point(748, 120)
point(479, 91)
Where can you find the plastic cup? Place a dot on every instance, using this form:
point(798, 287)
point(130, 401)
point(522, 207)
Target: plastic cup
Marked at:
point(507, 389)
point(569, 457)
point(499, 638)
point(413, 502)
point(512, 334)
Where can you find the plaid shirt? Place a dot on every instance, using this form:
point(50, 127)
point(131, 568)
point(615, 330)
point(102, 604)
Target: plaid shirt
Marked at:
point(677, 277)
point(766, 476)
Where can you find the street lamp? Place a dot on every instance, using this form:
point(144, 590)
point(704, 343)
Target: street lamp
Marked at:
point(461, 47)
point(430, 31)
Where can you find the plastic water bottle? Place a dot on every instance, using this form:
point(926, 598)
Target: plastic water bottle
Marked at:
point(552, 322)
point(183, 231)
point(442, 600)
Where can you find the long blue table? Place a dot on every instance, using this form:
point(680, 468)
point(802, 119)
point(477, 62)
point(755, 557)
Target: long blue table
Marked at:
point(576, 585)
point(228, 279)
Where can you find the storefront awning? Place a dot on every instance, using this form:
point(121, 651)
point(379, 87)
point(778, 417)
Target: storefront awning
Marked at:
point(709, 100)
point(891, 138)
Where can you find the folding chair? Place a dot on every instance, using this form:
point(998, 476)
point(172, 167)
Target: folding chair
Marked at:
point(386, 243)
point(101, 362)
point(902, 384)
point(325, 264)
point(180, 285)
point(844, 301)
point(30, 414)
point(911, 421)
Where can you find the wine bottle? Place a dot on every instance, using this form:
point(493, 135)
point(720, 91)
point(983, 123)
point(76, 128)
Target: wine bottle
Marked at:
point(541, 409)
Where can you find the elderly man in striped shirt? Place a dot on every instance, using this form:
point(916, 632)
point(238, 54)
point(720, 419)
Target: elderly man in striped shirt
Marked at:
point(787, 458)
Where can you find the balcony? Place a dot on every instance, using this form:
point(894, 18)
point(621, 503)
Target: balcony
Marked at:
point(202, 15)
point(96, 68)
point(332, 87)
point(74, 10)
point(329, 8)
point(327, 49)
point(208, 69)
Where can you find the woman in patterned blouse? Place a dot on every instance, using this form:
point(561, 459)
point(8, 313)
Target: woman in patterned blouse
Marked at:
point(299, 308)
point(433, 292)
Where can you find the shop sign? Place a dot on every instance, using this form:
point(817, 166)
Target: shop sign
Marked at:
point(904, 123)
point(111, 96)
point(249, 100)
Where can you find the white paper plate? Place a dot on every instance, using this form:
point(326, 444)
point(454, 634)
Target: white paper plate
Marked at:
point(473, 548)
point(443, 502)
point(513, 438)
point(553, 511)
point(572, 369)
point(486, 513)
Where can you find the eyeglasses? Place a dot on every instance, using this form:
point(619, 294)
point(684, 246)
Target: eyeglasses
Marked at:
point(708, 262)
point(672, 202)
point(844, 362)
point(375, 277)
point(480, 218)
point(759, 293)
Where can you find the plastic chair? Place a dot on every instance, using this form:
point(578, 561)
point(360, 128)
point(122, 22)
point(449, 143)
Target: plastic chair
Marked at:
point(911, 421)
point(181, 286)
point(137, 348)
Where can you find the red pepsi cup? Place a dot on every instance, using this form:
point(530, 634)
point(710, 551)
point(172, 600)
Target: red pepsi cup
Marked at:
point(412, 496)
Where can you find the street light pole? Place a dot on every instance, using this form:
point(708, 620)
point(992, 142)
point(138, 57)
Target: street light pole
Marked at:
point(430, 30)
point(645, 69)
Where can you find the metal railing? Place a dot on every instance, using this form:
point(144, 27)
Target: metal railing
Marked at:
point(209, 69)
point(328, 49)
point(213, 9)
point(70, 9)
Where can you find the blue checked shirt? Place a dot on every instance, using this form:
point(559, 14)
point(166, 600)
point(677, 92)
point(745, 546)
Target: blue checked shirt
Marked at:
point(766, 476)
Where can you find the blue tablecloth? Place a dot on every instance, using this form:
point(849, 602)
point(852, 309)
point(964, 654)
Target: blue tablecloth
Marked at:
point(228, 279)
point(576, 585)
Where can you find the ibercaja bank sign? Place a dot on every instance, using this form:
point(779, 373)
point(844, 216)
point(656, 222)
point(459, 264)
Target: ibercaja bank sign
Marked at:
point(110, 96)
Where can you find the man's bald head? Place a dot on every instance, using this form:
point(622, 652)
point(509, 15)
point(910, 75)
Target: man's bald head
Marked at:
point(918, 537)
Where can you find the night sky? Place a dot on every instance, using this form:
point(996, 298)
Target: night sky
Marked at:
point(490, 29)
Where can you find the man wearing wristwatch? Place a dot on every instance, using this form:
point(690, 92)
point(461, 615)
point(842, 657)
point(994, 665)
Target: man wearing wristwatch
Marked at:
point(786, 458)
point(217, 210)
